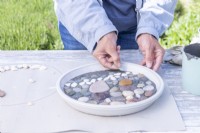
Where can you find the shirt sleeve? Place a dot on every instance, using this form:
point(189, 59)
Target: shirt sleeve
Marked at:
point(86, 20)
point(155, 17)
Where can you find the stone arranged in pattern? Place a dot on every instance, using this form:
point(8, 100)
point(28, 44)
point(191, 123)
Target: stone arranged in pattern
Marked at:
point(2, 93)
point(110, 88)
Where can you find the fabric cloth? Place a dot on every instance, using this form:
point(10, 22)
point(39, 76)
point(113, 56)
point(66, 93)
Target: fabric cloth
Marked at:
point(87, 21)
point(125, 39)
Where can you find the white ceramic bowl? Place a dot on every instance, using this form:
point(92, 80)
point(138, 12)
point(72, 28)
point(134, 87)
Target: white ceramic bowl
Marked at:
point(115, 110)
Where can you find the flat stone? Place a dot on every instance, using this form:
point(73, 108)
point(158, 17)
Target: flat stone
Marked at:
point(83, 99)
point(85, 86)
point(125, 82)
point(138, 96)
point(148, 93)
point(148, 88)
point(98, 87)
point(123, 88)
point(74, 84)
point(129, 98)
point(114, 89)
point(127, 93)
point(116, 94)
point(107, 100)
point(2, 93)
point(140, 85)
point(117, 103)
point(139, 91)
point(76, 89)
point(99, 96)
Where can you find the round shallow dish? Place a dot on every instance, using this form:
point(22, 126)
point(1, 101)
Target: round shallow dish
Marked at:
point(115, 110)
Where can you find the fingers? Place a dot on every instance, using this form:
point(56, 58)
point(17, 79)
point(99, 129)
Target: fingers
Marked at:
point(106, 63)
point(158, 60)
point(114, 55)
point(149, 57)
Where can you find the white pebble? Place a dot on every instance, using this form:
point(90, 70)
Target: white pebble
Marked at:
point(25, 66)
point(128, 72)
point(107, 100)
point(124, 74)
point(89, 83)
point(113, 78)
point(29, 103)
point(7, 68)
point(2, 69)
point(139, 91)
point(86, 80)
point(114, 89)
point(117, 74)
point(81, 83)
point(68, 84)
point(93, 80)
point(127, 93)
point(138, 96)
point(19, 66)
point(129, 98)
point(116, 94)
point(13, 68)
point(106, 78)
point(148, 88)
point(83, 99)
point(42, 68)
point(100, 79)
point(31, 80)
point(74, 84)
point(77, 89)
point(140, 85)
point(148, 82)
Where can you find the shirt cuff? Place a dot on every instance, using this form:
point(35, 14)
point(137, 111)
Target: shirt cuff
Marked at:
point(148, 30)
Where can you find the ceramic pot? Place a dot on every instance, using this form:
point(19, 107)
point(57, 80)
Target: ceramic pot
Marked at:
point(191, 68)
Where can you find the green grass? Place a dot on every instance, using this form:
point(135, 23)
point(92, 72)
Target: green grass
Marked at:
point(28, 25)
point(32, 25)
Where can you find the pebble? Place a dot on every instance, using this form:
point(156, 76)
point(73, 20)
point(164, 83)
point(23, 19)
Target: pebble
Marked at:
point(124, 74)
point(30, 104)
point(86, 80)
point(25, 66)
point(2, 93)
point(98, 87)
point(31, 80)
point(42, 68)
point(117, 103)
point(81, 83)
point(74, 84)
point(148, 82)
point(83, 99)
point(128, 72)
point(117, 74)
point(114, 89)
point(100, 79)
point(148, 93)
point(115, 82)
point(99, 96)
point(93, 80)
point(148, 88)
point(127, 93)
point(85, 86)
point(140, 85)
point(77, 95)
point(129, 98)
point(77, 89)
point(19, 66)
point(92, 102)
point(137, 96)
point(139, 91)
point(116, 94)
point(68, 84)
point(89, 83)
point(107, 100)
point(125, 82)
point(106, 78)
point(35, 67)
point(7, 68)
point(113, 78)
point(2, 70)
point(13, 68)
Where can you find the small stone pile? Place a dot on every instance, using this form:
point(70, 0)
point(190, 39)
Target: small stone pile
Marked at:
point(110, 87)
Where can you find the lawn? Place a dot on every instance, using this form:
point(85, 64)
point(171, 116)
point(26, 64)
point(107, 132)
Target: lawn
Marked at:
point(32, 25)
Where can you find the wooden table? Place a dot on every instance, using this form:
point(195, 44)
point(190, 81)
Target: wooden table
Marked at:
point(188, 104)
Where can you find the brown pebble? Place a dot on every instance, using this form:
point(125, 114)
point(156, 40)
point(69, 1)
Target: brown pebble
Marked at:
point(148, 93)
point(125, 82)
point(2, 93)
